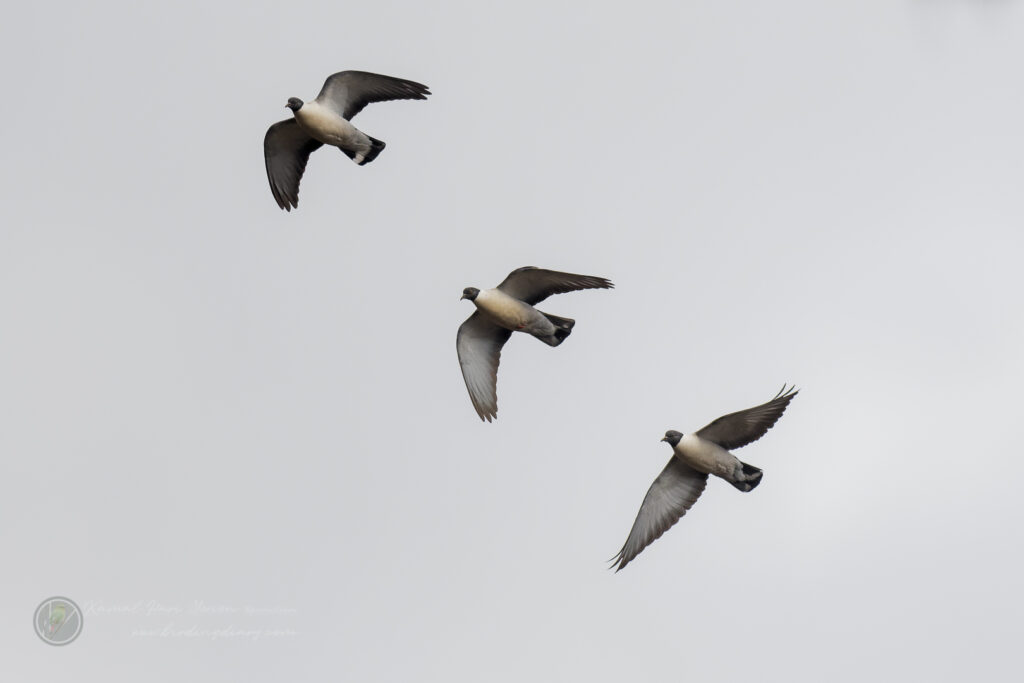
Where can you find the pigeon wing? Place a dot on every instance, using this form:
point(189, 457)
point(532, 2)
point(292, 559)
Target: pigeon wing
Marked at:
point(533, 285)
point(674, 492)
point(286, 149)
point(347, 92)
point(479, 345)
point(736, 430)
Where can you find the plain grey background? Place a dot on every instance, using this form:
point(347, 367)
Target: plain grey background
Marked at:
point(211, 406)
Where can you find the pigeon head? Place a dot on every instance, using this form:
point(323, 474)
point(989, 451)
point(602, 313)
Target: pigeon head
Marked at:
point(470, 293)
point(294, 103)
point(673, 437)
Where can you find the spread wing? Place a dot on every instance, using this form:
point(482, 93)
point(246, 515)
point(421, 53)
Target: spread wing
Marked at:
point(286, 149)
point(347, 92)
point(747, 426)
point(674, 492)
point(479, 345)
point(533, 285)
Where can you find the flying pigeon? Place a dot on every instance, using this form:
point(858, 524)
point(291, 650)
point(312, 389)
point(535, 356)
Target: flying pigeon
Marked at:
point(325, 121)
point(508, 308)
point(694, 457)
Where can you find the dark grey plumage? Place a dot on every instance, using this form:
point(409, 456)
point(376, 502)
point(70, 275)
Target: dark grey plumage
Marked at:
point(348, 92)
point(672, 437)
point(479, 343)
point(286, 150)
point(533, 285)
point(743, 427)
point(673, 492)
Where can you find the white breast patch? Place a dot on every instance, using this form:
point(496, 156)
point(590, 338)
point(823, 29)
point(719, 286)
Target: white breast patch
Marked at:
point(324, 125)
point(508, 311)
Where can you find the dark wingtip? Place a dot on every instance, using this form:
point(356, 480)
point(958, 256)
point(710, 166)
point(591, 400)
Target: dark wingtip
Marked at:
point(618, 560)
point(597, 282)
point(417, 91)
point(787, 393)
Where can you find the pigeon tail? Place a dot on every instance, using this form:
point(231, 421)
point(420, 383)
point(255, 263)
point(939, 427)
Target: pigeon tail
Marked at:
point(750, 478)
point(563, 328)
point(376, 147)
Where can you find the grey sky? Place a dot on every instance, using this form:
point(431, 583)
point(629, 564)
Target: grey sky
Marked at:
point(209, 400)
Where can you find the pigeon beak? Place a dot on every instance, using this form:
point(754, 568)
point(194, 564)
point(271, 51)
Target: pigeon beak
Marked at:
point(664, 438)
point(462, 297)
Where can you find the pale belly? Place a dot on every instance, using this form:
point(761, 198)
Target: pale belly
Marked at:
point(508, 312)
point(329, 128)
point(705, 456)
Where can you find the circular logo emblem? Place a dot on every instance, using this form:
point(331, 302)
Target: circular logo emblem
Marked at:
point(58, 621)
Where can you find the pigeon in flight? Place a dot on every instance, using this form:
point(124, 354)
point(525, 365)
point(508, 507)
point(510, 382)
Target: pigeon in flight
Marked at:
point(694, 457)
point(507, 308)
point(325, 121)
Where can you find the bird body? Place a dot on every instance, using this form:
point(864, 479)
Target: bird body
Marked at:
point(513, 314)
point(707, 457)
point(324, 124)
